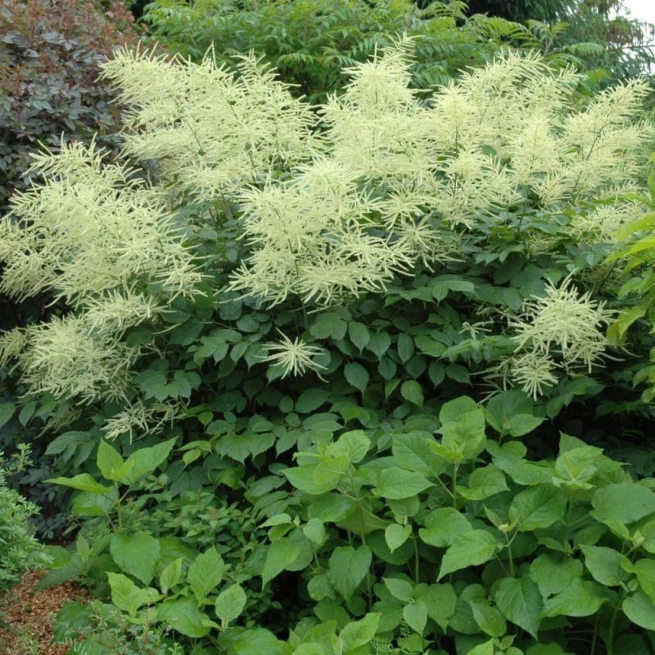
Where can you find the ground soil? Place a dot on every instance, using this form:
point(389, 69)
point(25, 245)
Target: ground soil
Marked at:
point(30, 616)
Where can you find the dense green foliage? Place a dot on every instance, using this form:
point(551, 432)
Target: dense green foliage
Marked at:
point(336, 380)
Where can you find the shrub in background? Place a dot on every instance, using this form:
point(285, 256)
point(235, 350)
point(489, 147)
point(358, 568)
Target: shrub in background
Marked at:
point(50, 52)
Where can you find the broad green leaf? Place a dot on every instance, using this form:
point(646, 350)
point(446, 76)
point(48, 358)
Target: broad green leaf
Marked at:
point(329, 325)
point(146, 460)
point(240, 446)
point(86, 503)
point(127, 596)
point(304, 478)
point(453, 410)
point(230, 603)
point(361, 521)
point(6, 412)
point(256, 641)
point(490, 620)
point(443, 526)
point(359, 633)
point(553, 573)
point(359, 335)
point(354, 445)
point(348, 567)
point(378, 343)
point(205, 572)
point(82, 482)
point(137, 554)
point(537, 507)
point(280, 554)
point(329, 471)
point(512, 412)
point(330, 507)
point(487, 648)
point(527, 474)
point(484, 482)
point(412, 451)
point(416, 616)
point(580, 598)
point(520, 601)
point(315, 531)
point(396, 535)
point(466, 435)
point(396, 483)
point(400, 589)
point(640, 609)
point(183, 615)
point(604, 564)
point(469, 549)
point(412, 392)
point(356, 375)
point(111, 464)
point(171, 575)
point(645, 570)
point(626, 502)
point(310, 400)
point(440, 599)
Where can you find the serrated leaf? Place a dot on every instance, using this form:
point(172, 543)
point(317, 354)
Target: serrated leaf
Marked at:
point(126, 595)
point(359, 334)
point(146, 460)
point(405, 347)
point(396, 535)
point(537, 507)
point(400, 589)
point(310, 400)
point(348, 567)
point(416, 616)
point(626, 502)
point(244, 445)
point(354, 445)
point(580, 598)
point(82, 482)
point(440, 599)
point(315, 531)
point(484, 482)
point(412, 392)
point(111, 464)
point(6, 412)
point(230, 603)
point(604, 564)
point(396, 483)
point(136, 554)
point(359, 633)
point(412, 451)
point(280, 554)
point(469, 549)
point(490, 620)
point(520, 601)
point(356, 375)
point(329, 325)
point(171, 575)
point(553, 573)
point(205, 572)
point(184, 616)
point(443, 526)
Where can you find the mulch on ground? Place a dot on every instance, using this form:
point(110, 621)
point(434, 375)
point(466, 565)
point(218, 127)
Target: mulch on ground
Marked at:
point(30, 616)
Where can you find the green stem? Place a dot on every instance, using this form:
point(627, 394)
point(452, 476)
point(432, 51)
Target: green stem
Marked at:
point(455, 485)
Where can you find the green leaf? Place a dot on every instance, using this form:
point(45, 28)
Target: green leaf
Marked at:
point(487, 648)
point(484, 482)
point(537, 507)
point(111, 464)
point(626, 502)
point(490, 620)
point(553, 573)
point(604, 564)
point(356, 375)
point(330, 471)
point(354, 445)
point(304, 478)
point(137, 554)
point(416, 616)
point(348, 567)
point(146, 460)
point(257, 641)
point(82, 482)
point(329, 325)
point(443, 526)
point(469, 549)
point(405, 347)
point(247, 444)
point(315, 531)
point(310, 400)
point(280, 554)
point(412, 451)
point(640, 609)
point(379, 343)
point(400, 589)
point(453, 410)
point(412, 392)
point(645, 570)
point(171, 575)
point(359, 335)
point(466, 434)
point(359, 633)
point(230, 603)
point(440, 600)
point(205, 572)
point(520, 601)
point(580, 598)
point(184, 616)
point(127, 596)
point(396, 535)
point(6, 412)
point(396, 483)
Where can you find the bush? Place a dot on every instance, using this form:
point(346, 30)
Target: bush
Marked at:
point(50, 52)
point(19, 550)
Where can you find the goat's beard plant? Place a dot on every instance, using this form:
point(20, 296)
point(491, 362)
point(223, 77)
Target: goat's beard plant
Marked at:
point(329, 205)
